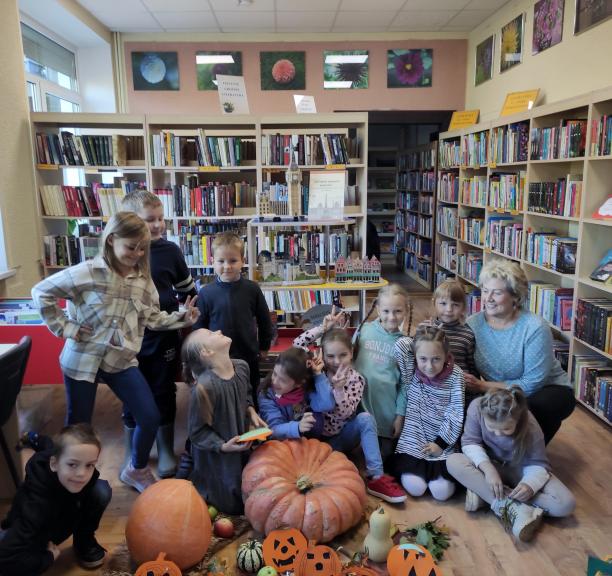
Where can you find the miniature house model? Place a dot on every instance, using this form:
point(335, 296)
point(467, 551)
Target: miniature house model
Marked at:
point(357, 270)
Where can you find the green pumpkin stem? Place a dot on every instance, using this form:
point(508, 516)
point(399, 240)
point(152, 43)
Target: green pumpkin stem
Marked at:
point(304, 484)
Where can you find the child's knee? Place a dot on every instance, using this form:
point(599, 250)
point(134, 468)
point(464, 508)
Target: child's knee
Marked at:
point(455, 462)
point(414, 485)
point(441, 489)
point(366, 423)
point(565, 505)
point(102, 492)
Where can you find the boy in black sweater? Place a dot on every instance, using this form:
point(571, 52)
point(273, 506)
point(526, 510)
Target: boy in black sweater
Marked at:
point(62, 495)
point(160, 350)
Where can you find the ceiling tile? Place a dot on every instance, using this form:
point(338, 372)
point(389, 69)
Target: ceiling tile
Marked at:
point(305, 19)
point(434, 5)
point(422, 20)
point(232, 6)
point(486, 4)
point(365, 20)
point(128, 20)
point(176, 5)
point(470, 18)
point(239, 20)
point(458, 29)
point(306, 5)
point(370, 5)
point(183, 20)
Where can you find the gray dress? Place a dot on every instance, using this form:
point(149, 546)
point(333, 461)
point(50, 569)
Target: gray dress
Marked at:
point(217, 475)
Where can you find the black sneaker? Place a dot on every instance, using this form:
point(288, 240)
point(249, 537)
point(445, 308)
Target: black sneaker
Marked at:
point(90, 555)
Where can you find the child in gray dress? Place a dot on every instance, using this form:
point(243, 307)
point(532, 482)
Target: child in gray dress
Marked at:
point(220, 410)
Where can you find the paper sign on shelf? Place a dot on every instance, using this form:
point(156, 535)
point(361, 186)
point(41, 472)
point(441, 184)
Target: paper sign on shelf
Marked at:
point(304, 104)
point(326, 194)
point(232, 94)
point(463, 119)
point(519, 102)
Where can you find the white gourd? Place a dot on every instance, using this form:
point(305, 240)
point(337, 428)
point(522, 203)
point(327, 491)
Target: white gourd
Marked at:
point(250, 556)
point(378, 542)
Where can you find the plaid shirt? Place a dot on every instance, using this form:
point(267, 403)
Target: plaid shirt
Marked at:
point(117, 309)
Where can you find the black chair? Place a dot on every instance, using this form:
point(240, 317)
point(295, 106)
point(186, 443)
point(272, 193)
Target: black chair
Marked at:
point(12, 369)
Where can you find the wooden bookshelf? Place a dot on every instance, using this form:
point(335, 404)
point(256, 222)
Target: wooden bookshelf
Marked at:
point(381, 195)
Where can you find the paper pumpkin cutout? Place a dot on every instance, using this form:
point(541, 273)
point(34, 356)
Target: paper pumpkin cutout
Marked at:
point(358, 571)
point(255, 434)
point(281, 548)
point(159, 567)
point(318, 561)
point(411, 560)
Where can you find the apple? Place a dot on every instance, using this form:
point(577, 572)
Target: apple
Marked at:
point(223, 527)
point(212, 512)
point(267, 571)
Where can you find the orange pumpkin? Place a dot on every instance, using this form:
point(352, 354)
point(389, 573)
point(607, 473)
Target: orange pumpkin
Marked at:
point(158, 567)
point(358, 571)
point(302, 484)
point(318, 561)
point(411, 560)
point(170, 515)
point(282, 547)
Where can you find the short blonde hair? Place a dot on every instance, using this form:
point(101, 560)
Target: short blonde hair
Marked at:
point(451, 289)
point(228, 240)
point(138, 199)
point(126, 225)
point(511, 274)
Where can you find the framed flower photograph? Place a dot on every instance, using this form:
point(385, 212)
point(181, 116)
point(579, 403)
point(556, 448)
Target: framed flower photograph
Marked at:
point(484, 60)
point(409, 68)
point(155, 70)
point(209, 64)
point(345, 69)
point(590, 13)
point(511, 43)
point(547, 24)
point(282, 70)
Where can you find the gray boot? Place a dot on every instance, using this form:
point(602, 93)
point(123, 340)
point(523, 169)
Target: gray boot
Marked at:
point(128, 437)
point(521, 519)
point(166, 459)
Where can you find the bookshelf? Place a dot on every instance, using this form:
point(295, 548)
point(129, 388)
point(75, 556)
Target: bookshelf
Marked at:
point(381, 194)
point(415, 205)
point(534, 185)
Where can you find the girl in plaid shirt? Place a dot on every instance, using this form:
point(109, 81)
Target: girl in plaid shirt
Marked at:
point(111, 299)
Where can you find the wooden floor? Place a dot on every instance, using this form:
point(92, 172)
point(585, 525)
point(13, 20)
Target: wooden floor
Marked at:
point(581, 455)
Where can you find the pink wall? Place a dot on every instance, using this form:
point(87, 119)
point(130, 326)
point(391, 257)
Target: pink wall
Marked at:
point(446, 93)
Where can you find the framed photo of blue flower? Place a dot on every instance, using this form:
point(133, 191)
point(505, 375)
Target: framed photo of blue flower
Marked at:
point(409, 68)
point(345, 69)
point(547, 24)
point(589, 13)
point(155, 70)
point(484, 60)
point(211, 63)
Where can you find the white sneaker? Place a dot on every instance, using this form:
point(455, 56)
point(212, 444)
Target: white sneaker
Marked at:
point(472, 501)
point(138, 478)
point(521, 519)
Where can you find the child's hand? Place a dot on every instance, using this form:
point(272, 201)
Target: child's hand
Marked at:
point(338, 380)
point(495, 483)
point(307, 422)
point(192, 312)
point(263, 354)
point(337, 319)
point(256, 419)
point(54, 550)
point(522, 492)
point(431, 449)
point(472, 383)
point(316, 362)
point(233, 445)
point(84, 332)
point(398, 424)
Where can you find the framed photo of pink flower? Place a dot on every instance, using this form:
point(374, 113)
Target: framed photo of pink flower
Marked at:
point(409, 68)
point(282, 70)
point(511, 43)
point(589, 13)
point(484, 60)
point(547, 24)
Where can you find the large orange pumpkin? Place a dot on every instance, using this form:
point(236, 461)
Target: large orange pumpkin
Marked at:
point(169, 516)
point(411, 560)
point(302, 484)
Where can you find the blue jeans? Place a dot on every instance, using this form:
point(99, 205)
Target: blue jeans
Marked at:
point(360, 428)
point(132, 389)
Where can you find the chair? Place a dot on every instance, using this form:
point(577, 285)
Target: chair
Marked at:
point(12, 369)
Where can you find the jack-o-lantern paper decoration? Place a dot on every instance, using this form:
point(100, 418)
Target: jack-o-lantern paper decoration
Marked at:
point(358, 571)
point(411, 560)
point(159, 567)
point(281, 548)
point(318, 561)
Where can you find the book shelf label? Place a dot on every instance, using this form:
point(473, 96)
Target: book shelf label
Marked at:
point(519, 101)
point(209, 169)
point(47, 166)
point(463, 119)
point(335, 167)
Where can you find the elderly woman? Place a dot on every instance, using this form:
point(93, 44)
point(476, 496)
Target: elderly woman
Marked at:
point(514, 346)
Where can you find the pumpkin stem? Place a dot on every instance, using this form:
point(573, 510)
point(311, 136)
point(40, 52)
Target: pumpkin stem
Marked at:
point(304, 484)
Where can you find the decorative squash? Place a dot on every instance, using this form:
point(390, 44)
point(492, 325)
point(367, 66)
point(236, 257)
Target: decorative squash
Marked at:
point(158, 567)
point(318, 561)
point(170, 515)
point(302, 484)
point(411, 559)
point(250, 556)
point(378, 541)
point(281, 548)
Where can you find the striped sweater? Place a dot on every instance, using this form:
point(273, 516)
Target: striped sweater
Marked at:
point(434, 409)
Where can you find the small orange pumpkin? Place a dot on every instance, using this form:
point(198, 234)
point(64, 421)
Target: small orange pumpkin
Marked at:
point(411, 560)
point(281, 548)
point(318, 561)
point(159, 567)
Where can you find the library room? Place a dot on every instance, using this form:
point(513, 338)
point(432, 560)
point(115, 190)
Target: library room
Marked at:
point(309, 288)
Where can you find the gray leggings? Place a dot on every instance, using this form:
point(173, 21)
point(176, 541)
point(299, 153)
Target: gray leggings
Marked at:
point(554, 497)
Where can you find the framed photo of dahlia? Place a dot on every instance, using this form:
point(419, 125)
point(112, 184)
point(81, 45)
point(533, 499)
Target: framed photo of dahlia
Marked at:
point(345, 69)
point(409, 68)
point(282, 70)
point(484, 60)
point(511, 43)
point(547, 24)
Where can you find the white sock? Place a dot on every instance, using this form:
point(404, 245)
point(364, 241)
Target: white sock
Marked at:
point(441, 489)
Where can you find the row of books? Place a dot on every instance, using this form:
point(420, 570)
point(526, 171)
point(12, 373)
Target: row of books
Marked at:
point(419, 246)
point(601, 136)
point(412, 222)
point(471, 230)
point(560, 198)
point(450, 154)
point(551, 251)
point(422, 268)
point(305, 149)
point(442, 275)
point(418, 160)
point(447, 221)
point(426, 226)
point(474, 190)
point(564, 141)
point(88, 150)
point(561, 352)
point(473, 301)
point(310, 245)
point(551, 302)
point(509, 143)
point(504, 235)
point(592, 379)
point(506, 191)
point(469, 265)
point(417, 181)
point(407, 201)
point(426, 205)
point(63, 250)
point(195, 241)
point(448, 186)
point(299, 300)
point(447, 254)
point(474, 149)
point(594, 322)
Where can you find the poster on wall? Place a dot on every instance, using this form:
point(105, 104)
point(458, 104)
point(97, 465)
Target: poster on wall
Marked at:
point(232, 94)
point(282, 70)
point(209, 64)
point(591, 12)
point(326, 194)
point(155, 70)
point(345, 69)
point(511, 44)
point(547, 24)
point(409, 68)
point(484, 60)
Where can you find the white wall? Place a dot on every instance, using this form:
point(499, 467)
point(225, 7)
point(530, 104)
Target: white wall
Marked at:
point(95, 73)
point(578, 64)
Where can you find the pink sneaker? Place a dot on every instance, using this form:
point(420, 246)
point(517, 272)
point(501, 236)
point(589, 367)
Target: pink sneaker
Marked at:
point(387, 489)
point(139, 478)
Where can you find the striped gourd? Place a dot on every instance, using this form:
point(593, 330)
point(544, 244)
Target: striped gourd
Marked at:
point(250, 556)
